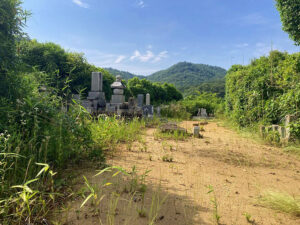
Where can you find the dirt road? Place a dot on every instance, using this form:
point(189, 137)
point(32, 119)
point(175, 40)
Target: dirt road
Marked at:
point(235, 170)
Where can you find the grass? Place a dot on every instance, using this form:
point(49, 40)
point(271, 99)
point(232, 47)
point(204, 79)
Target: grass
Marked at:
point(214, 202)
point(281, 202)
point(108, 132)
point(293, 149)
point(176, 135)
point(58, 141)
point(167, 158)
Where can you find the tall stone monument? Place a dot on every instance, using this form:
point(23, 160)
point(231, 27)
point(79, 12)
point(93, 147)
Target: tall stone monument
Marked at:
point(140, 99)
point(96, 96)
point(148, 99)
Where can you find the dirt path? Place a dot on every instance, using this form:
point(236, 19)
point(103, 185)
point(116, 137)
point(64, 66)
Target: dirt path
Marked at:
point(237, 169)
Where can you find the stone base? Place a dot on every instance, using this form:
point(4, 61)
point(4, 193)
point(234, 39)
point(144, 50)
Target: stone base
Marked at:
point(117, 99)
point(97, 96)
point(147, 110)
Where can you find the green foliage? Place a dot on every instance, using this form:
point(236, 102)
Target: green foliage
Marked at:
point(160, 93)
point(60, 66)
point(273, 137)
point(175, 110)
point(189, 106)
point(185, 75)
point(211, 102)
point(265, 91)
point(107, 132)
point(12, 18)
point(212, 86)
point(188, 78)
point(290, 16)
point(35, 127)
point(176, 135)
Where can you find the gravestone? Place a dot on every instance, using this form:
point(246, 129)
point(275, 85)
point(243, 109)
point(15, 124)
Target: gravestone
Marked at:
point(199, 112)
point(196, 131)
point(140, 98)
point(147, 111)
point(118, 90)
point(147, 99)
point(97, 82)
point(203, 113)
point(158, 111)
point(96, 96)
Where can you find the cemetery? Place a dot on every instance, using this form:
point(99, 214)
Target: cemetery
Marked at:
point(96, 103)
point(170, 126)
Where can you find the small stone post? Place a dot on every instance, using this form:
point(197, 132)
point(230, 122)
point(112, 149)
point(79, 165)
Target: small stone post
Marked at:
point(196, 131)
point(287, 127)
point(262, 131)
point(158, 111)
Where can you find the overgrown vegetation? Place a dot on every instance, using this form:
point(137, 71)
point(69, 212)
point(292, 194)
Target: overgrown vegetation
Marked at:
point(265, 91)
point(189, 106)
point(37, 134)
point(289, 12)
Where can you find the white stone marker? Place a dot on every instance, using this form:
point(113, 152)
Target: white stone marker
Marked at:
point(148, 99)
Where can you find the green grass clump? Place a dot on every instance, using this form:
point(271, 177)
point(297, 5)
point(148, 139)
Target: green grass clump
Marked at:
point(293, 150)
point(282, 202)
point(167, 158)
point(176, 135)
point(108, 132)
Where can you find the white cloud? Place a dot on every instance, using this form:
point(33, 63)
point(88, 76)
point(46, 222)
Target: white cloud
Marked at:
point(148, 56)
point(143, 58)
point(120, 59)
point(160, 56)
point(141, 4)
point(243, 45)
point(149, 46)
point(135, 55)
point(81, 4)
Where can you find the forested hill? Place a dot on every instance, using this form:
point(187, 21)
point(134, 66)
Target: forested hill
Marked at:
point(125, 75)
point(185, 75)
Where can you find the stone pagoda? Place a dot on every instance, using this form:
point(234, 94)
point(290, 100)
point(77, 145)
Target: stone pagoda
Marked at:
point(118, 90)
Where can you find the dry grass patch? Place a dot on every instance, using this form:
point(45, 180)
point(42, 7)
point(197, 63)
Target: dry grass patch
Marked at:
point(281, 202)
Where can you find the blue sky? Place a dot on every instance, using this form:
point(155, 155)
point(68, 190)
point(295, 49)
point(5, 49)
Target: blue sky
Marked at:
point(144, 36)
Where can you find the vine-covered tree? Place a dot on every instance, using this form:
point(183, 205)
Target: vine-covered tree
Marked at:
point(265, 91)
point(290, 16)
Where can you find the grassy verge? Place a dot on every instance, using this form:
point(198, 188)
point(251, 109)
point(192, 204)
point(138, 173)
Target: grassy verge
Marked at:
point(253, 133)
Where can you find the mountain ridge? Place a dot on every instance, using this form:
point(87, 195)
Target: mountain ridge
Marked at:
point(184, 75)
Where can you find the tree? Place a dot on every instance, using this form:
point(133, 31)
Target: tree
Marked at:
point(290, 16)
point(60, 66)
point(12, 19)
